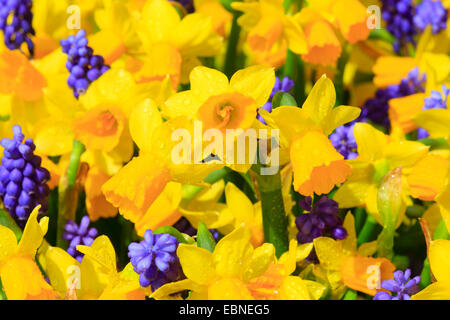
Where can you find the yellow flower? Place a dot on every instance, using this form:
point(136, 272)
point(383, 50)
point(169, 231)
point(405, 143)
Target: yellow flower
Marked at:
point(213, 8)
point(234, 269)
point(342, 263)
point(438, 254)
point(96, 277)
point(172, 45)
point(139, 199)
point(19, 273)
point(268, 26)
point(317, 166)
point(321, 20)
point(239, 210)
point(220, 103)
point(377, 155)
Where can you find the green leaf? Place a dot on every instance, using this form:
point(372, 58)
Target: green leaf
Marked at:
point(183, 238)
point(205, 239)
point(283, 99)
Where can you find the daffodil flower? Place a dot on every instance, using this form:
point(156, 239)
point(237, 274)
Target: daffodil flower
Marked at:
point(317, 166)
point(268, 26)
point(321, 20)
point(96, 277)
point(343, 264)
point(377, 155)
point(239, 210)
point(19, 273)
point(172, 45)
point(235, 270)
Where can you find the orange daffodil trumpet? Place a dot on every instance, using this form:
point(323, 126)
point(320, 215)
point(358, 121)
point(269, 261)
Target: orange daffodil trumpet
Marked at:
point(317, 166)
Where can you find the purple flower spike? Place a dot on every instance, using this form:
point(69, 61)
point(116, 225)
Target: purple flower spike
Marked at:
point(23, 182)
point(322, 219)
point(398, 15)
point(401, 285)
point(79, 235)
point(83, 65)
point(16, 23)
point(155, 259)
point(431, 13)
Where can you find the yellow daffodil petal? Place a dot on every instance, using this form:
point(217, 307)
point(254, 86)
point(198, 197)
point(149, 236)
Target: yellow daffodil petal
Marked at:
point(428, 176)
point(293, 288)
point(352, 20)
point(8, 242)
point(159, 20)
point(436, 291)
point(349, 243)
point(371, 142)
point(197, 264)
point(329, 252)
point(435, 121)
point(207, 82)
point(22, 280)
point(339, 116)
point(405, 153)
point(232, 254)
point(303, 251)
point(320, 100)
point(62, 270)
point(144, 119)
point(324, 47)
point(262, 257)
point(229, 289)
point(32, 234)
point(256, 82)
point(439, 255)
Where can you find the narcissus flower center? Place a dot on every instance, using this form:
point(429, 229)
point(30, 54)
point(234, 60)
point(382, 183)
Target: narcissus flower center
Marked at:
point(228, 111)
point(106, 124)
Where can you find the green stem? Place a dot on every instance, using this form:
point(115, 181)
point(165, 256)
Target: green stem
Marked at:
point(68, 192)
point(360, 216)
point(74, 162)
point(233, 41)
point(273, 214)
point(425, 276)
point(367, 230)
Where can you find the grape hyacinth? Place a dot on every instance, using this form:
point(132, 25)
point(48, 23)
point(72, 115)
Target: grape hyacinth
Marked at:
point(321, 220)
point(280, 86)
point(23, 182)
point(79, 235)
point(343, 139)
point(376, 109)
point(401, 285)
point(398, 15)
point(155, 259)
point(436, 100)
point(431, 13)
point(16, 22)
point(83, 65)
